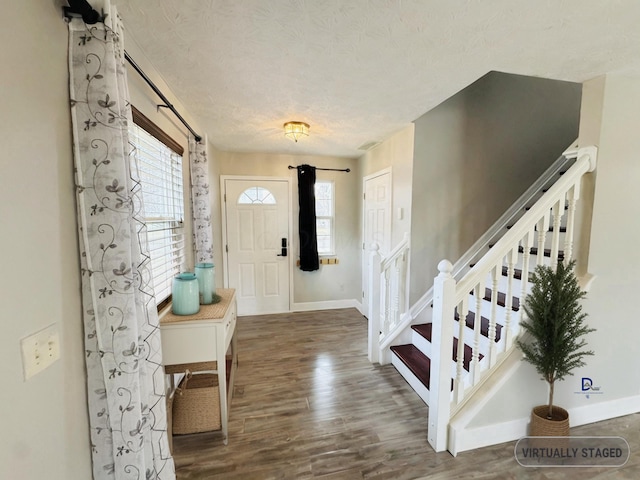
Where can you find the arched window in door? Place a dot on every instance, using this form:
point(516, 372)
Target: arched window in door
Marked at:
point(256, 195)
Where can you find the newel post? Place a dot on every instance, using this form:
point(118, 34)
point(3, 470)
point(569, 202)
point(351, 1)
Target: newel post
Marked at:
point(375, 270)
point(444, 291)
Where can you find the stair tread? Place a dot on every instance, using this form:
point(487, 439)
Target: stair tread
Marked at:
point(484, 325)
point(517, 273)
point(423, 329)
point(468, 352)
point(415, 360)
point(502, 299)
point(547, 252)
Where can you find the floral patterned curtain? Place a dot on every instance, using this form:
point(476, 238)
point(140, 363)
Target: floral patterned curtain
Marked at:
point(125, 378)
point(202, 232)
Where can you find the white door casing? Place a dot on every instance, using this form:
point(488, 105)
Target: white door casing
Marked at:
point(377, 222)
point(256, 220)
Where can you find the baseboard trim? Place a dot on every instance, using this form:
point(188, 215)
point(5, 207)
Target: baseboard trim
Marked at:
point(326, 305)
point(472, 438)
point(604, 410)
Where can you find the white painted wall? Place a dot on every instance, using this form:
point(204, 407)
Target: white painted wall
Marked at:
point(44, 420)
point(609, 120)
point(331, 282)
point(475, 154)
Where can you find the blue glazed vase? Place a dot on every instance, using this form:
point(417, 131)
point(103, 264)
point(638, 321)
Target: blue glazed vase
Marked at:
point(205, 272)
point(185, 293)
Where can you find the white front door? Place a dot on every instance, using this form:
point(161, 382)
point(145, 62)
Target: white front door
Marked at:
point(377, 223)
point(257, 230)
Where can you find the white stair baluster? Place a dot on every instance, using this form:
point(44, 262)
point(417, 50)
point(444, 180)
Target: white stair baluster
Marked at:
point(543, 226)
point(387, 302)
point(524, 279)
point(474, 368)
point(396, 290)
point(458, 386)
point(508, 304)
point(557, 212)
point(493, 354)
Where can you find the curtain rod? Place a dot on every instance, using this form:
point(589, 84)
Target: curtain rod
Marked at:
point(160, 94)
point(327, 169)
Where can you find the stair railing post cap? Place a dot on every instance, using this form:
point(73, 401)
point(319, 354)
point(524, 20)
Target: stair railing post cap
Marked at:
point(375, 247)
point(589, 153)
point(445, 267)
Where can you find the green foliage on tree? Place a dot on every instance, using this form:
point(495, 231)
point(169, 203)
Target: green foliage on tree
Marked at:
point(555, 324)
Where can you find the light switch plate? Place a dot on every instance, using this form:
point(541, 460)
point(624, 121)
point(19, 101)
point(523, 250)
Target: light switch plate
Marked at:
point(40, 350)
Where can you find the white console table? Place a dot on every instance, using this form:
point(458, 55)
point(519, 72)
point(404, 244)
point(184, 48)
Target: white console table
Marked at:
point(206, 336)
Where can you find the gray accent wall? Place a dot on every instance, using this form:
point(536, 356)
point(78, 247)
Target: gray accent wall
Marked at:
point(475, 154)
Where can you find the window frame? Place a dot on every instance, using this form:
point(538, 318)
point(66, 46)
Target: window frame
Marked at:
point(331, 218)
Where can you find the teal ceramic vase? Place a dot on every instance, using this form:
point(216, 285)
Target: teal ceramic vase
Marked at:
point(186, 298)
point(206, 282)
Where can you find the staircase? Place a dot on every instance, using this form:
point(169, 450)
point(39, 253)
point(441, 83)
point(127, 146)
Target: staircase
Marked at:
point(412, 359)
point(448, 360)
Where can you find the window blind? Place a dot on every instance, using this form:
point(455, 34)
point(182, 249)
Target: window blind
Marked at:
point(160, 171)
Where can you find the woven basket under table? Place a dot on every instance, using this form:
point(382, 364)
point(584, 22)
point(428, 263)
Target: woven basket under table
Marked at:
point(196, 404)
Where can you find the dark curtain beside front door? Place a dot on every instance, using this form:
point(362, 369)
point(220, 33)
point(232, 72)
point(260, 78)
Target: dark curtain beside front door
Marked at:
point(307, 218)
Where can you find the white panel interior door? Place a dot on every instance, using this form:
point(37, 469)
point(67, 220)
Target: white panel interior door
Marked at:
point(377, 223)
point(257, 221)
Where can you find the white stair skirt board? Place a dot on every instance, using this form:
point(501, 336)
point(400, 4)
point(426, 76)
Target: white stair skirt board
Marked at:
point(411, 379)
point(460, 438)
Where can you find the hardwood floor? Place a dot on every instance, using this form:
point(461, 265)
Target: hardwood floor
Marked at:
point(308, 405)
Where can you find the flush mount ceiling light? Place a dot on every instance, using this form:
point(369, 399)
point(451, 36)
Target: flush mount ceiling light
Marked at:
point(295, 130)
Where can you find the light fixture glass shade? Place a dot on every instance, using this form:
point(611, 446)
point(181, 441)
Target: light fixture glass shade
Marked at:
point(295, 130)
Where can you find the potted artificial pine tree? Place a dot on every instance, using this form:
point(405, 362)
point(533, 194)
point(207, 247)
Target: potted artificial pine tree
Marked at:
point(555, 342)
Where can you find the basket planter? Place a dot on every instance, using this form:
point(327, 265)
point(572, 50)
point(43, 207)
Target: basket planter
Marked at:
point(196, 404)
point(541, 426)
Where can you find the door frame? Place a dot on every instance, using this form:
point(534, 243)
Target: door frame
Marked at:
point(292, 239)
point(365, 257)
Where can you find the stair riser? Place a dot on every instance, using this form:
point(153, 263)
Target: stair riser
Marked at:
point(516, 285)
point(501, 312)
point(549, 238)
point(421, 343)
point(469, 338)
point(533, 261)
point(411, 379)
point(424, 346)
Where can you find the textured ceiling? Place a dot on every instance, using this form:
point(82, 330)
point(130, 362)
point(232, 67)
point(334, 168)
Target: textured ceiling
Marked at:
point(359, 70)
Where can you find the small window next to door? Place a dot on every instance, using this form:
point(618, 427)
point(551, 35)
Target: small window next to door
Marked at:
point(325, 217)
point(256, 195)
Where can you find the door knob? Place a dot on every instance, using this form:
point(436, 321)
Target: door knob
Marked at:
point(283, 248)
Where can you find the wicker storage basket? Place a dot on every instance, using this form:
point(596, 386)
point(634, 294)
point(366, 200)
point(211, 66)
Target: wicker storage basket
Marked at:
point(196, 404)
point(541, 426)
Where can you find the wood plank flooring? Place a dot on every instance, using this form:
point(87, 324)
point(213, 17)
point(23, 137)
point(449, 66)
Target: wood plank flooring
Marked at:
point(308, 405)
